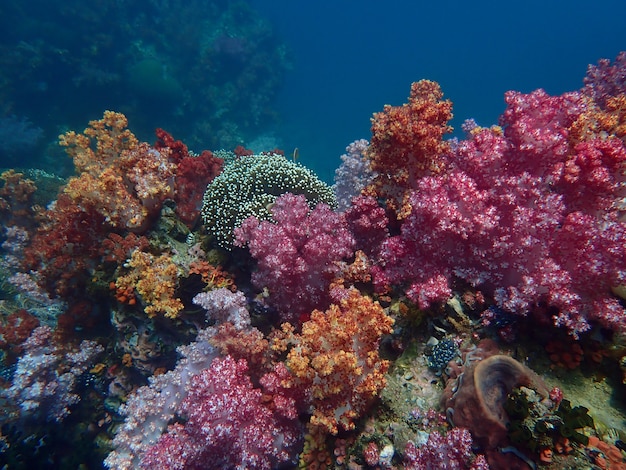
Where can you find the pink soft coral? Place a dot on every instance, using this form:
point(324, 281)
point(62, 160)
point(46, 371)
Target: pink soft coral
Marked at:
point(529, 215)
point(228, 424)
point(296, 253)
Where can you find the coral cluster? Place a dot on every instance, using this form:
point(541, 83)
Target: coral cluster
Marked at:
point(228, 424)
point(529, 215)
point(16, 199)
point(46, 375)
point(249, 187)
point(149, 410)
point(120, 188)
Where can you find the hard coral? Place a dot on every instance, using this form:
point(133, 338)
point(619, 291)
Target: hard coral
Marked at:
point(249, 186)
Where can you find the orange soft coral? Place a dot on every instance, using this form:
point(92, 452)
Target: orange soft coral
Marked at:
point(604, 122)
point(407, 142)
point(336, 358)
point(124, 181)
point(213, 276)
point(154, 279)
point(100, 144)
point(16, 199)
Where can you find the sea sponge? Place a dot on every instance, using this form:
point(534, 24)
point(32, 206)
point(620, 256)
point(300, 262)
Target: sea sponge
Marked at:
point(479, 395)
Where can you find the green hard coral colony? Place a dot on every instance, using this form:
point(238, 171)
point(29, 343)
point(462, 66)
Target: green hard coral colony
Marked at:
point(249, 186)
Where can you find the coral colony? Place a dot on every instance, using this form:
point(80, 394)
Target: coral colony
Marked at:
point(228, 310)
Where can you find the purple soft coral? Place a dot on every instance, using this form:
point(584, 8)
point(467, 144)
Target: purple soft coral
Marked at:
point(453, 451)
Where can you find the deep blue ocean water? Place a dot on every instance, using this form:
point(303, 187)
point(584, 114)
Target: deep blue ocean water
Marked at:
point(351, 58)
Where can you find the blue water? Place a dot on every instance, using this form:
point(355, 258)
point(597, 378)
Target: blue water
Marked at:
point(214, 75)
point(351, 58)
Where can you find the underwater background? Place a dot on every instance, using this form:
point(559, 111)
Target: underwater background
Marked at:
point(265, 234)
point(350, 60)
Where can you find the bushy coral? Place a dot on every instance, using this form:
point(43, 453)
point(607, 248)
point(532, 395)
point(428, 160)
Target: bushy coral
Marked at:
point(452, 451)
point(16, 199)
point(368, 224)
point(222, 305)
point(228, 424)
point(606, 79)
point(154, 279)
point(120, 185)
point(121, 179)
point(193, 174)
point(15, 328)
point(335, 358)
point(296, 252)
point(149, 410)
point(44, 381)
point(407, 143)
point(529, 216)
point(250, 185)
point(65, 248)
point(353, 175)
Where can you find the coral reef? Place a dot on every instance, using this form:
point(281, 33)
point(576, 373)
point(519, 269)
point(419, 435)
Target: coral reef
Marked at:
point(149, 410)
point(528, 216)
point(398, 332)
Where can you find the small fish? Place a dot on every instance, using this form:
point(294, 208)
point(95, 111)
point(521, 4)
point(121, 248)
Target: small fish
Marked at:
point(296, 154)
